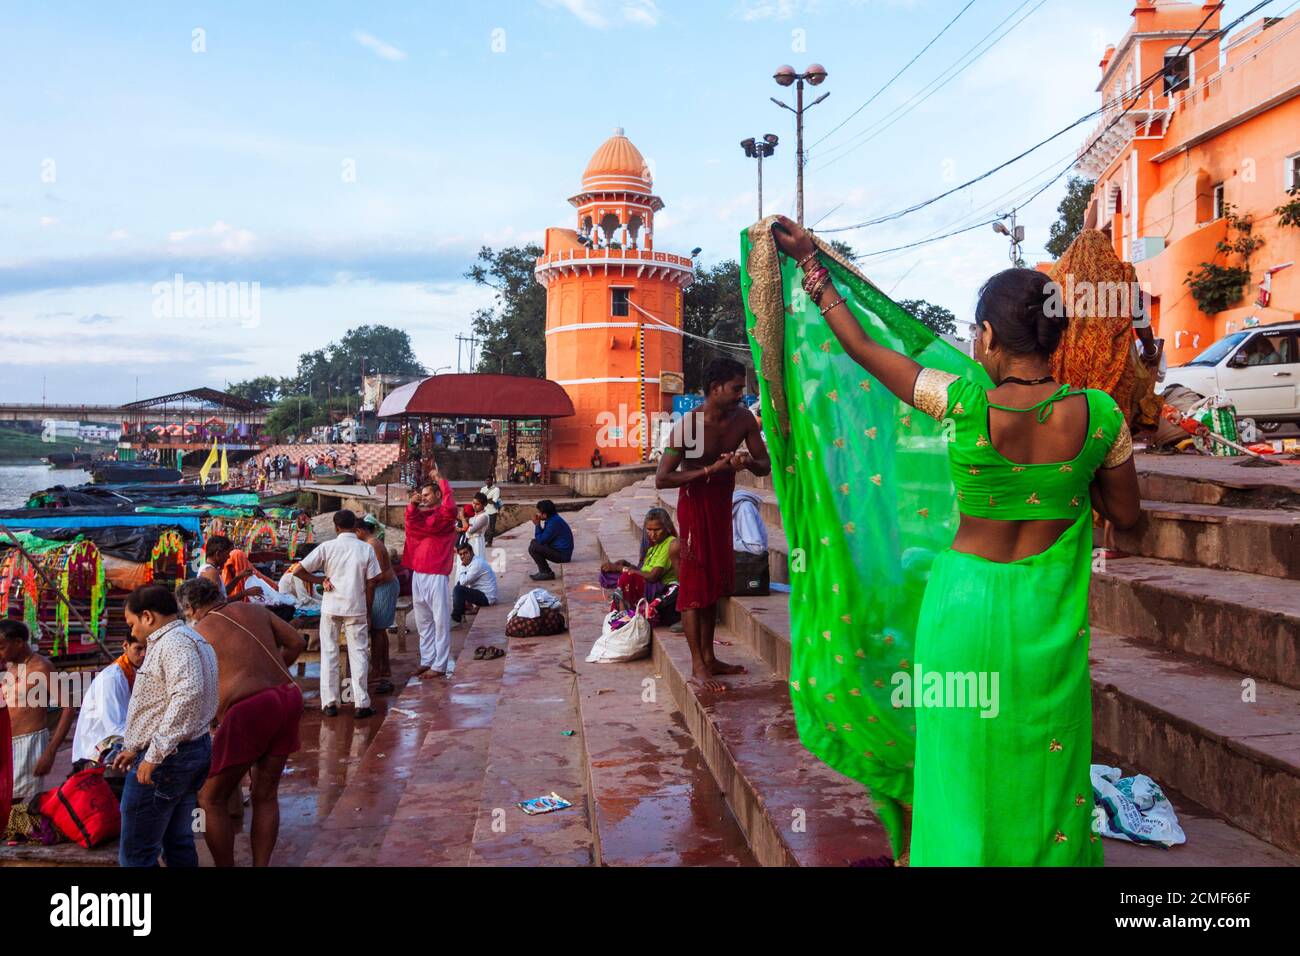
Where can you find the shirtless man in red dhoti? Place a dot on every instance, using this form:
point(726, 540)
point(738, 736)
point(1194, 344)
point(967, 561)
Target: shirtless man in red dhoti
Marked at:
point(701, 459)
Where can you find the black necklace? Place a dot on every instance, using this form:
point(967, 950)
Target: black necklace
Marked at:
point(1012, 380)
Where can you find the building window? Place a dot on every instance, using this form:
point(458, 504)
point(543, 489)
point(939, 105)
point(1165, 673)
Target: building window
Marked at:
point(1177, 72)
point(1293, 171)
point(1218, 201)
point(620, 307)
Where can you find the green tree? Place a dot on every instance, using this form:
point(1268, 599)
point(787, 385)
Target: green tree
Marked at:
point(337, 368)
point(712, 307)
point(264, 389)
point(936, 318)
point(517, 321)
point(293, 415)
point(1071, 212)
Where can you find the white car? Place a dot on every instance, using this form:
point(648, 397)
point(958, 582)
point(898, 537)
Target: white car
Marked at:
point(1258, 369)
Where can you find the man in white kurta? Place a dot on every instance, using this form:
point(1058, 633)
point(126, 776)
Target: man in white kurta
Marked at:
point(350, 571)
point(103, 709)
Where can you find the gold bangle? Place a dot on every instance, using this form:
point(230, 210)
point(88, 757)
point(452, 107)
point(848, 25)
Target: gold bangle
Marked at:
point(840, 301)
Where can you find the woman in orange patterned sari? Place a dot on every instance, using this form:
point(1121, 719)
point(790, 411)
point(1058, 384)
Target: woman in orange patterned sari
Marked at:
point(1098, 349)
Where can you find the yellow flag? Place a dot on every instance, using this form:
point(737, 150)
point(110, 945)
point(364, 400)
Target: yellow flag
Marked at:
point(225, 470)
point(207, 465)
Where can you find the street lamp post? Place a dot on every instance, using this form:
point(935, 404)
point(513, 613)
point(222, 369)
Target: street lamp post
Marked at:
point(785, 76)
point(503, 360)
point(758, 149)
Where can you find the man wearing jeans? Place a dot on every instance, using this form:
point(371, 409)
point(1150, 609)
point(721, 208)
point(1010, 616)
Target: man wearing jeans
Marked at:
point(476, 583)
point(429, 553)
point(350, 572)
point(552, 540)
point(173, 702)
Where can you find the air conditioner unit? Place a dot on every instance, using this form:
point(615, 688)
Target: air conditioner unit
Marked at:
point(1148, 247)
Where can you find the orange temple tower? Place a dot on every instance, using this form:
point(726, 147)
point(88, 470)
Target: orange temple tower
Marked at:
point(613, 312)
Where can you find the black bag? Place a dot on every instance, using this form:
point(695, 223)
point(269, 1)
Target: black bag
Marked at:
point(752, 578)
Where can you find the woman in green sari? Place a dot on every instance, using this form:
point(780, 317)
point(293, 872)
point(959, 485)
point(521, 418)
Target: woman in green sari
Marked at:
point(997, 682)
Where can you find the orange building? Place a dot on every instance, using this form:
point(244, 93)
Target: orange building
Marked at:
point(613, 312)
point(1221, 126)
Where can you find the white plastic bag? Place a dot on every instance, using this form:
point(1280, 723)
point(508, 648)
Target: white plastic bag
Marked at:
point(1134, 808)
point(626, 643)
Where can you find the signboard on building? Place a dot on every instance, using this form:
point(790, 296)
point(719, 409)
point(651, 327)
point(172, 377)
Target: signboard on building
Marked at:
point(671, 383)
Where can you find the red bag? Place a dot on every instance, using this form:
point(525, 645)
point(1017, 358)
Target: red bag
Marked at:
point(83, 808)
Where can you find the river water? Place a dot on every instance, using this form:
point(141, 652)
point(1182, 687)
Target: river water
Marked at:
point(17, 482)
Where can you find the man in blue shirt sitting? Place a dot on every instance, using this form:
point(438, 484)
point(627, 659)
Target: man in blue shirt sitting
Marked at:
point(552, 540)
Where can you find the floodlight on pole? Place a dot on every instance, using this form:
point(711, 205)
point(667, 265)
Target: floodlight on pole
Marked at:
point(759, 149)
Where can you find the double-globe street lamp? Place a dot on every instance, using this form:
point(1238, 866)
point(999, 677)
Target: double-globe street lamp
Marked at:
point(785, 76)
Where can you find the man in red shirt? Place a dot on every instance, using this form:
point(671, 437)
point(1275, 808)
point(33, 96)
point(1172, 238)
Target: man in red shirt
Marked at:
point(429, 552)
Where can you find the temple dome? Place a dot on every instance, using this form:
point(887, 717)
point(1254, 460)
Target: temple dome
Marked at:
point(617, 166)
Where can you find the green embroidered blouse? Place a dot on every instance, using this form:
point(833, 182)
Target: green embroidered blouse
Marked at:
point(992, 486)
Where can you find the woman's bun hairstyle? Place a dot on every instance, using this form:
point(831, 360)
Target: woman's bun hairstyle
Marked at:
point(1018, 304)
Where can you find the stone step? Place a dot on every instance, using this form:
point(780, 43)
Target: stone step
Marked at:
point(760, 628)
point(1205, 480)
point(1234, 749)
point(1263, 744)
point(1254, 540)
point(653, 800)
point(1246, 622)
point(792, 809)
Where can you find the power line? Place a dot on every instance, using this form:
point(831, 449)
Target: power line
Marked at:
point(1134, 95)
point(1020, 203)
point(942, 80)
point(890, 81)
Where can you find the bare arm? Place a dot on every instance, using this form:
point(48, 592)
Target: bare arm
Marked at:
point(304, 575)
point(895, 371)
point(289, 641)
point(1115, 494)
point(759, 462)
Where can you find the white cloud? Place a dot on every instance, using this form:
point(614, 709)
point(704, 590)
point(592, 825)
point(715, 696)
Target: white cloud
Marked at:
point(118, 235)
point(220, 236)
point(49, 221)
point(601, 14)
point(381, 49)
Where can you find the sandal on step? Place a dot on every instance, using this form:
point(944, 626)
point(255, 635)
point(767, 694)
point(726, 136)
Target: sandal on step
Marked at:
point(479, 652)
point(492, 653)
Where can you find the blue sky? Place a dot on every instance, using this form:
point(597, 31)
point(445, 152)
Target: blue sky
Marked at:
point(352, 158)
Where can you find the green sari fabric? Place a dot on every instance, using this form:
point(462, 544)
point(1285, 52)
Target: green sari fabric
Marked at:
point(993, 756)
point(867, 504)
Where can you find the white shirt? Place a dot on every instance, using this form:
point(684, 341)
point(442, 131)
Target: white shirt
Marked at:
point(221, 582)
point(477, 528)
point(479, 576)
point(349, 563)
point(493, 495)
point(103, 712)
point(748, 533)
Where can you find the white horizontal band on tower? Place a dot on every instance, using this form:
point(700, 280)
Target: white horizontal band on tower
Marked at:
point(655, 327)
point(603, 381)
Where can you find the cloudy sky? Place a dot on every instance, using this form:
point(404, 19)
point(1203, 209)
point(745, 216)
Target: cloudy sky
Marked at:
point(350, 159)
